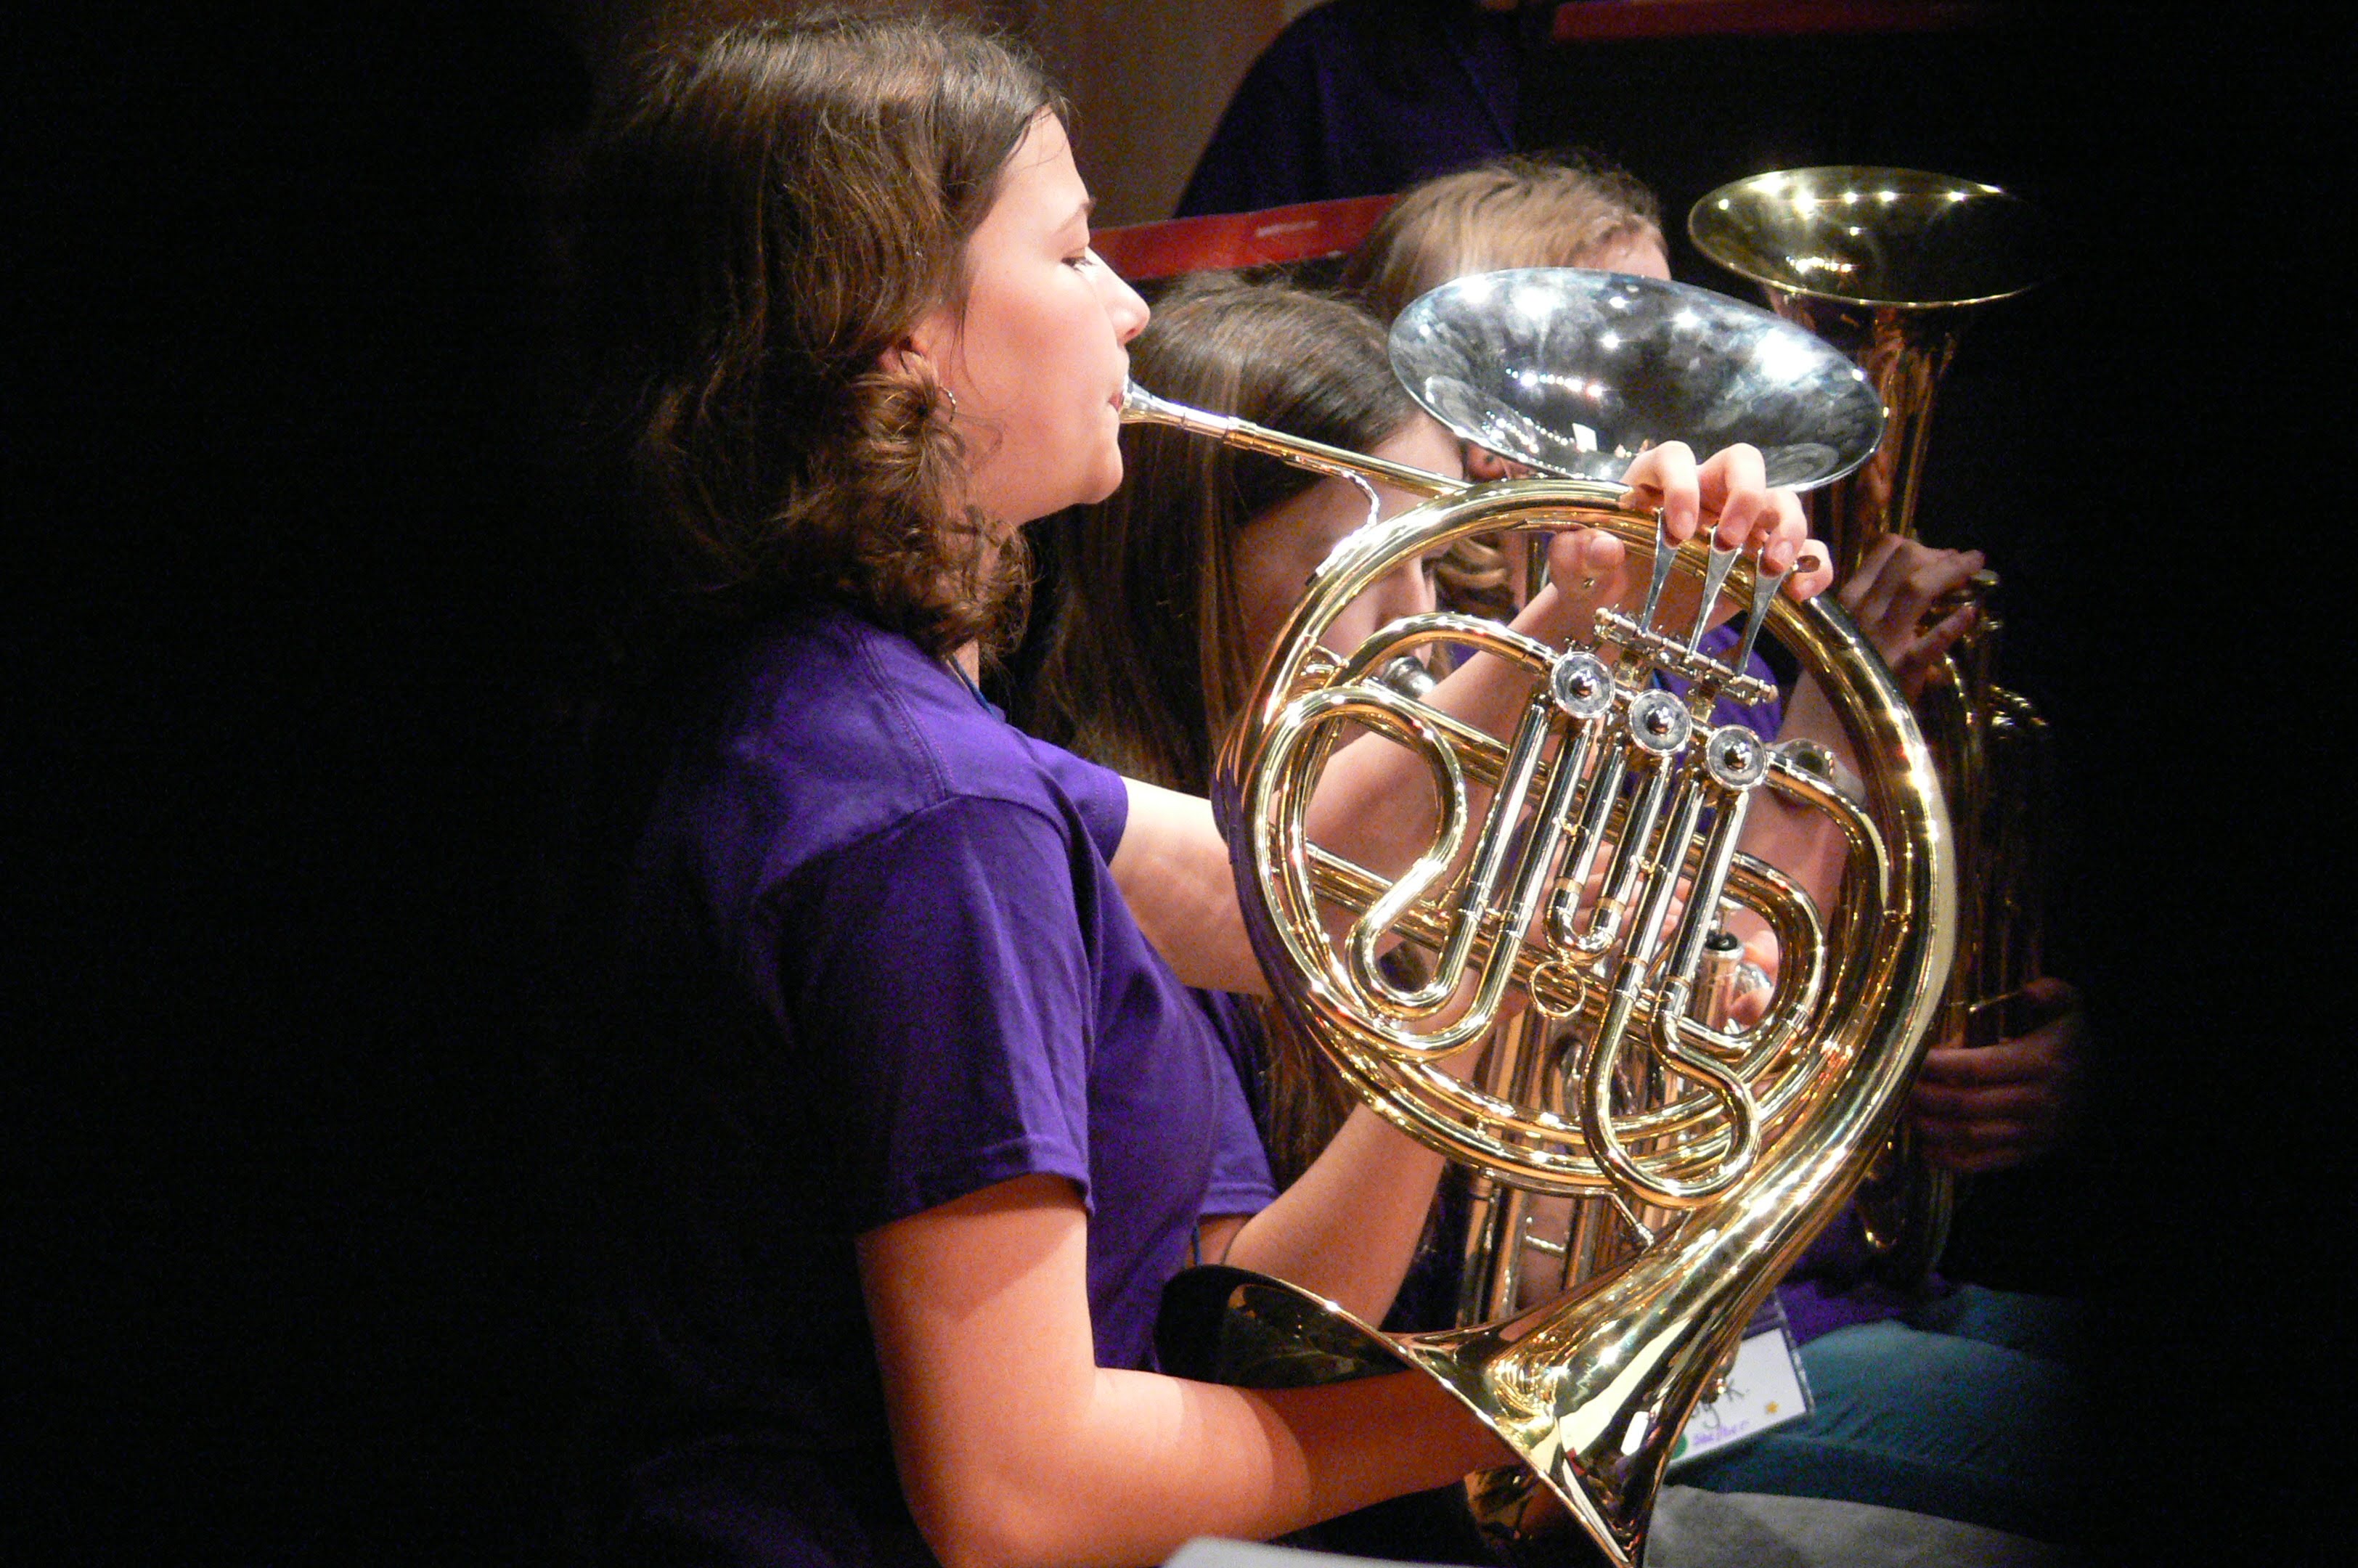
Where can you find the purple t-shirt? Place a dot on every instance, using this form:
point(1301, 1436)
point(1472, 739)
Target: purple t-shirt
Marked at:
point(1362, 97)
point(886, 967)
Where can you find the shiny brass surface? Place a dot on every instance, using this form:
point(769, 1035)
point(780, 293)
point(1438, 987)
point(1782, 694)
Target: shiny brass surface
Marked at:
point(1888, 264)
point(1576, 872)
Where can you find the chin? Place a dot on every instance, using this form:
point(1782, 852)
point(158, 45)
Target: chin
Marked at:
point(1109, 480)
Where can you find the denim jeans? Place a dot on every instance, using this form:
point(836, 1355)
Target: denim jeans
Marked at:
point(1961, 1408)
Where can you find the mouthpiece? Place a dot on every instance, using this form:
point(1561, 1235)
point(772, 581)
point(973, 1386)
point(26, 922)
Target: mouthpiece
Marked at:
point(1139, 406)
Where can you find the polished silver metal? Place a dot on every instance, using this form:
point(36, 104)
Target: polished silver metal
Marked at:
point(1408, 675)
point(1574, 372)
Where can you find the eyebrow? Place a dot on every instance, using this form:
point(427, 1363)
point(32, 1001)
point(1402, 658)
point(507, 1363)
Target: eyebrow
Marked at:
point(1080, 215)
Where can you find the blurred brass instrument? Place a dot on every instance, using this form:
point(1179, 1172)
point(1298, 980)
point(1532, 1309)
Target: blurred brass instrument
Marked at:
point(1580, 868)
point(1888, 264)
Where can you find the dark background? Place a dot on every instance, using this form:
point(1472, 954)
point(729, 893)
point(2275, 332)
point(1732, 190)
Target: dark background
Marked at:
point(281, 596)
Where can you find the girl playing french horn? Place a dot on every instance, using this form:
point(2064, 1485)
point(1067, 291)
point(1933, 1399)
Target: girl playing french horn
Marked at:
point(920, 1115)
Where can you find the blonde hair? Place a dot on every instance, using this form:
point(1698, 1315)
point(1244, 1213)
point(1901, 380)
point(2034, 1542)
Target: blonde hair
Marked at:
point(1513, 211)
point(1567, 211)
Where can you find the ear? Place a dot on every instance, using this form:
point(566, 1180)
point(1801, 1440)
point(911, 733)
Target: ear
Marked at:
point(925, 347)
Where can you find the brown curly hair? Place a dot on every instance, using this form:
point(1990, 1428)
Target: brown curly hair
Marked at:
point(766, 210)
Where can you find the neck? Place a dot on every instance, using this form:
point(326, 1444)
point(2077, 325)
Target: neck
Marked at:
point(969, 659)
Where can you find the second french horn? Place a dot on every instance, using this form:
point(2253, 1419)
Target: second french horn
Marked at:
point(1580, 866)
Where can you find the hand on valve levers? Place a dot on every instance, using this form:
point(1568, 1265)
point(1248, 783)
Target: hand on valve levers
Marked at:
point(1589, 569)
point(1976, 1108)
point(1982, 1109)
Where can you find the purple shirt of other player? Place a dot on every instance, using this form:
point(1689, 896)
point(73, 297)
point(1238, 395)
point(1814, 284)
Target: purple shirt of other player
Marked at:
point(885, 966)
point(1361, 97)
point(1764, 718)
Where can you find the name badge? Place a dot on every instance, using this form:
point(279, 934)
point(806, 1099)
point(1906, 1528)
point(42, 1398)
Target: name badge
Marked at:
point(1765, 1388)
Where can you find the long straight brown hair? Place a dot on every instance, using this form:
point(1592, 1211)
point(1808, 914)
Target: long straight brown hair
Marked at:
point(1146, 663)
point(1146, 668)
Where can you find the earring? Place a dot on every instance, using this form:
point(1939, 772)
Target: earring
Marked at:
point(946, 392)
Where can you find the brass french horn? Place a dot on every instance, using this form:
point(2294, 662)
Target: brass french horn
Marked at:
point(1889, 266)
point(1591, 889)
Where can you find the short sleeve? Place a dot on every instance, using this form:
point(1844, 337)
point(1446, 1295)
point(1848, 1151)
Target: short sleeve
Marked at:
point(1098, 794)
point(1240, 1180)
point(943, 994)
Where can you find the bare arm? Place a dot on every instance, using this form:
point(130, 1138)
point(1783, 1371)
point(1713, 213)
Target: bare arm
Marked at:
point(1015, 1448)
point(1173, 872)
point(1348, 1228)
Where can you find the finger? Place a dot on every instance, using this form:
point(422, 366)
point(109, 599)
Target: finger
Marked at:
point(1936, 1134)
point(1943, 636)
point(1913, 658)
point(2031, 1058)
point(1983, 1162)
point(1813, 571)
point(2029, 1104)
point(1871, 606)
point(2048, 998)
point(1665, 477)
point(1734, 483)
point(1747, 520)
point(1780, 531)
point(1937, 573)
point(1862, 583)
point(1882, 596)
point(1748, 1005)
point(1588, 566)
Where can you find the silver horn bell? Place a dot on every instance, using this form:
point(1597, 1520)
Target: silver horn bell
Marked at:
point(1574, 372)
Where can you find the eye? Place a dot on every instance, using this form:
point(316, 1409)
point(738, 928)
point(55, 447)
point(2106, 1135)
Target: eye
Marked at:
point(1084, 257)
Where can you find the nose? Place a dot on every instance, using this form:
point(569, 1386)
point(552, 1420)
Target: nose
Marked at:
point(1123, 307)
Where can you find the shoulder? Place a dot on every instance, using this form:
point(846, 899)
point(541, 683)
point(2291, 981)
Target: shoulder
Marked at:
point(830, 731)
